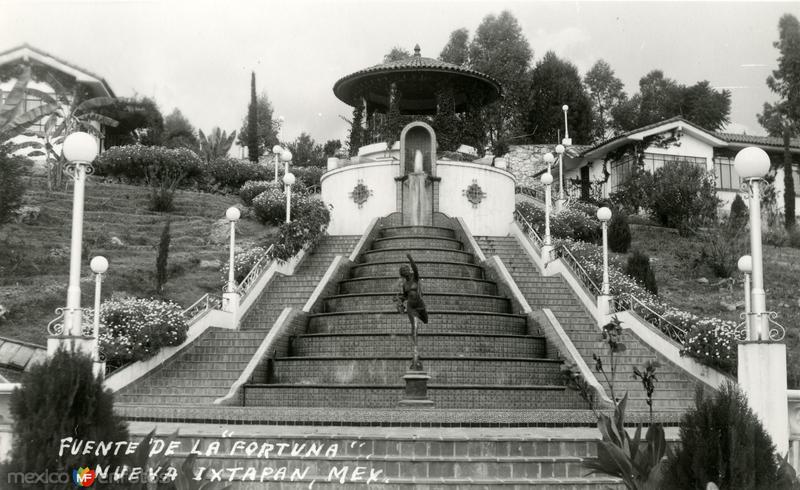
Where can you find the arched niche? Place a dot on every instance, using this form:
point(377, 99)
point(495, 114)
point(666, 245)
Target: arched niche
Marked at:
point(418, 136)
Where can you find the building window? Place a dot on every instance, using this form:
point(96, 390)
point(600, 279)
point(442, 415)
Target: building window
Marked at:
point(622, 169)
point(725, 174)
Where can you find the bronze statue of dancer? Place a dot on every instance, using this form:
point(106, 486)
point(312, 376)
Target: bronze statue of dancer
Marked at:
point(411, 297)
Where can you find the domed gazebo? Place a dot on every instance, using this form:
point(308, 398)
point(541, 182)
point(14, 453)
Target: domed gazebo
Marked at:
point(414, 86)
point(411, 108)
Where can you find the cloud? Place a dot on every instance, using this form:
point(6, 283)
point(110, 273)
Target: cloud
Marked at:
point(571, 43)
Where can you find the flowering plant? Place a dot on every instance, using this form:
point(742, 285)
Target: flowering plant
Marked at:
point(133, 329)
point(243, 262)
point(713, 342)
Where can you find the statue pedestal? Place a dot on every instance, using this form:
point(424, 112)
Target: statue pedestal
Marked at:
point(416, 394)
point(762, 377)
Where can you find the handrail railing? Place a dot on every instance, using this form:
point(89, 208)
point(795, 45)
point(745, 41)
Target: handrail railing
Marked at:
point(570, 261)
point(630, 302)
point(537, 194)
point(528, 229)
point(205, 303)
point(250, 279)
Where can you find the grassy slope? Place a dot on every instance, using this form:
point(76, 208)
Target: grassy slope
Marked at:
point(677, 283)
point(34, 259)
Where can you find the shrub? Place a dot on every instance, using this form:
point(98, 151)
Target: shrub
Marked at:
point(711, 341)
point(619, 232)
point(253, 188)
point(134, 329)
point(58, 398)
point(683, 196)
point(243, 262)
point(638, 268)
point(721, 248)
point(269, 207)
point(308, 176)
point(162, 169)
point(230, 174)
point(634, 193)
point(740, 215)
point(722, 441)
point(161, 259)
point(574, 222)
point(12, 187)
point(311, 220)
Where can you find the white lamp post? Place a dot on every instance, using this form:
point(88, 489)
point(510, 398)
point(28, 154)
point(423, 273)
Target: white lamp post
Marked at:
point(276, 153)
point(560, 203)
point(745, 265)
point(99, 266)
point(547, 247)
point(288, 181)
point(230, 298)
point(604, 301)
point(549, 159)
point(567, 140)
point(80, 149)
point(762, 355)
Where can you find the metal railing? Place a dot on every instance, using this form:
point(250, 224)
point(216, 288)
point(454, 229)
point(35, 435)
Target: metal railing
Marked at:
point(537, 194)
point(572, 263)
point(529, 230)
point(202, 305)
point(630, 302)
point(250, 279)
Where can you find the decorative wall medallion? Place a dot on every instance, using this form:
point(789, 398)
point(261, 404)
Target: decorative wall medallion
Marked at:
point(360, 193)
point(474, 193)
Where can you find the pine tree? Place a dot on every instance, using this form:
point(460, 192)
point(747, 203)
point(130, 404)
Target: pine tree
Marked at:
point(619, 233)
point(252, 122)
point(161, 260)
point(639, 269)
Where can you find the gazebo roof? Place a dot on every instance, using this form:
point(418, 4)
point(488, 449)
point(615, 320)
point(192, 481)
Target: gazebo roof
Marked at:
point(417, 78)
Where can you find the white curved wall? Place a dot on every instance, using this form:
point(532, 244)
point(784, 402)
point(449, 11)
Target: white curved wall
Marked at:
point(494, 214)
point(337, 185)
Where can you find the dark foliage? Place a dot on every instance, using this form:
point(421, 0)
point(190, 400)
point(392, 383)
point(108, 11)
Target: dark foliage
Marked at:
point(61, 398)
point(356, 137)
point(12, 186)
point(310, 221)
point(638, 267)
point(252, 122)
point(161, 259)
point(229, 174)
point(683, 197)
point(739, 215)
point(722, 441)
point(619, 232)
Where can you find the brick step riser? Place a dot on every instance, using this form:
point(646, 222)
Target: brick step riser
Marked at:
point(429, 285)
point(418, 256)
point(466, 398)
point(389, 232)
point(399, 325)
point(170, 390)
point(416, 242)
point(432, 302)
point(168, 400)
point(431, 270)
point(389, 371)
point(431, 346)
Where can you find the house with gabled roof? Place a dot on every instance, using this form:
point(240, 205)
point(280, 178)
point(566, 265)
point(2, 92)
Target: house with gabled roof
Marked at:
point(598, 170)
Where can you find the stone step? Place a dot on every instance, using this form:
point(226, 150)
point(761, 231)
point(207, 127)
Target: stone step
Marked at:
point(428, 284)
point(430, 345)
point(454, 370)
point(433, 231)
point(384, 396)
point(438, 321)
point(427, 268)
point(416, 241)
point(433, 301)
point(418, 254)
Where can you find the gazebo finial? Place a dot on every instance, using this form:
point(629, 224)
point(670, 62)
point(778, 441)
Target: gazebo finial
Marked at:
point(416, 51)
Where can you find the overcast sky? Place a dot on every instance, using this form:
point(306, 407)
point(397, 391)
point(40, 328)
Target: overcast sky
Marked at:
point(197, 56)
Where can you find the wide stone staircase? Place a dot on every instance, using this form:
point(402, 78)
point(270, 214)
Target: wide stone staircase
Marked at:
point(206, 369)
point(674, 389)
point(479, 353)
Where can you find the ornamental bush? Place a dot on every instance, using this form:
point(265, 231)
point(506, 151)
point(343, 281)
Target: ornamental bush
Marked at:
point(133, 329)
point(12, 186)
point(269, 207)
point(243, 262)
point(308, 176)
point(309, 223)
point(230, 174)
point(639, 269)
point(683, 196)
point(619, 232)
point(740, 215)
point(576, 222)
point(722, 441)
point(722, 246)
point(61, 397)
point(253, 188)
point(710, 340)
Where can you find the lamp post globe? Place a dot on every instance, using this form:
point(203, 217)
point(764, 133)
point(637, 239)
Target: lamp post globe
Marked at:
point(286, 156)
point(565, 107)
point(277, 149)
point(289, 179)
point(547, 179)
point(751, 163)
point(559, 149)
point(604, 214)
point(745, 264)
point(549, 159)
point(233, 214)
point(99, 264)
point(80, 147)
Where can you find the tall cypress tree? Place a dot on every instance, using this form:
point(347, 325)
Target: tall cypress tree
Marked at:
point(252, 122)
